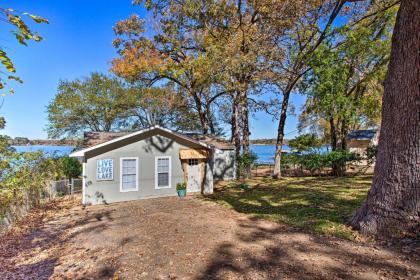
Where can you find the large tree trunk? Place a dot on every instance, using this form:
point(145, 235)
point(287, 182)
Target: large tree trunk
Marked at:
point(245, 120)
point(343, 135)
point(201, 113)
point(204, 121)
point(210, 119)
point(336, 167)
point(280, 134)
point(393, 202)
point(333, 136)
point(236, 136)
point(233, 121)
point(245, 130)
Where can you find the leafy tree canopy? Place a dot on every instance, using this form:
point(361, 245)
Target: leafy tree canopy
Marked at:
point(164, 107)
point(344, 85)
point(106, 103)
point(304, 142)
point(22, 33)
point(2, 122)
point(71, 167)
point(96, 103)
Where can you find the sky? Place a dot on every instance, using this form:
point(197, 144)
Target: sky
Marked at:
point(77, 41)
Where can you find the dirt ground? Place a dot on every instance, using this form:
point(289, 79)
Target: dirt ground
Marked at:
point(170, 238)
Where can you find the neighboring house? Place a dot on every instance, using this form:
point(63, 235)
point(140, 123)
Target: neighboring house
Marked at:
point(359, 140)
point(150, 162)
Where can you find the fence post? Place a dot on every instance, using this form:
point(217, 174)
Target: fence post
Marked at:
point(52, 189)
point(49, 182)
point(72, 186)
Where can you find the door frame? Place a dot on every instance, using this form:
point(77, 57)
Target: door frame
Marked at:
point(201, 167)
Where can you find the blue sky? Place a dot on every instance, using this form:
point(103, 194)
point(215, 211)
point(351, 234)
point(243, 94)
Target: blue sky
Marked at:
point(77, 41)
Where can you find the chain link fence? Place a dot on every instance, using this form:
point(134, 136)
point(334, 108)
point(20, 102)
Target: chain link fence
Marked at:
point(24, 199)
point(66, 187)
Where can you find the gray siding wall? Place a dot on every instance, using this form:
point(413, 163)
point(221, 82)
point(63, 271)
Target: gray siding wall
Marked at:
point(208, 180)
point(146, 150)
point(224, 165)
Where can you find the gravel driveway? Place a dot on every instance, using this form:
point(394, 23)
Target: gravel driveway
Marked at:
point(170, 238)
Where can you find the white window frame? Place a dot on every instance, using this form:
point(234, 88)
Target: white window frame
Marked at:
point(137, 174)
point(169, 172)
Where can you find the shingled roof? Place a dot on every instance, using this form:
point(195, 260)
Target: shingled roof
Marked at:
point(94, 138)
point(212, 140)
point(367, 134)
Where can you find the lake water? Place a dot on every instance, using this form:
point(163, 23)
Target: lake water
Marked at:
point(48, 150)
point(265, 153)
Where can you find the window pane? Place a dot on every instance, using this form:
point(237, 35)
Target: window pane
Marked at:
point(129, 166)
point(129, 163)
point(163, 162)
point(193, 162)
point(163, 179)
point(128, 182)
point(163, 165)
point(128, 176)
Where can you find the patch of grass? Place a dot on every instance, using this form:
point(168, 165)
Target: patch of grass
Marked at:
point(318, 204)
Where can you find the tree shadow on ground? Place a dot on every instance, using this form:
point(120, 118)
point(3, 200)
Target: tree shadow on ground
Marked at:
point(34, 236)
point(39, 270)
point(319, 205)
point(263, 251)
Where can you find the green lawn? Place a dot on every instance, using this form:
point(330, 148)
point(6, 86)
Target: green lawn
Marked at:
point(321, 205)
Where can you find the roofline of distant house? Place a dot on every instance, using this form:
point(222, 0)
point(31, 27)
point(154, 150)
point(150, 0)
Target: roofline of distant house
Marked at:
point(82, 152)
point(359, 134)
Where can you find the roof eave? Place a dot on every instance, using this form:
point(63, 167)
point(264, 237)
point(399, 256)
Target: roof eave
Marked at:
point(82, 152)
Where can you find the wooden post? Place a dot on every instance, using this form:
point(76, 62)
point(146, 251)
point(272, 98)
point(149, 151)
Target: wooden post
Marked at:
point(185, 166)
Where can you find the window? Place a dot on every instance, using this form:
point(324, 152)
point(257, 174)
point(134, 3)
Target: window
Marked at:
point(129, 174)
point(163, 172)
point(104, 170)
point(193, 162)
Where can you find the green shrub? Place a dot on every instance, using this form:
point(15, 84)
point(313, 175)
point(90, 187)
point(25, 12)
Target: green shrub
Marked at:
point(313, 162)
point(371, 153)
point(317, 161)
point(341, 157)
point(181, 186)
point(71, 167)
point(244, 186)
point(305, 142)
point(289, 160)
point(244, 162)
point(24, 178)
